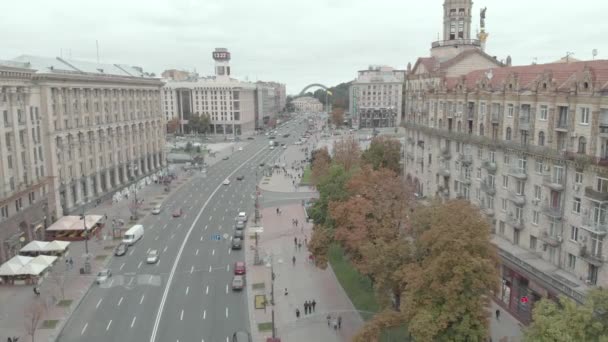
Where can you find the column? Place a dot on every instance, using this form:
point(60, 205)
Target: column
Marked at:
point(98, 183)
point(108, 180)
point(125, 172)
point(89, 184)
point(79, 192)
point(117, 174)
point(69, 200)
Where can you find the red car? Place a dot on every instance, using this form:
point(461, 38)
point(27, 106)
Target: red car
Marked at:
point(239, 268)
point(177, 213)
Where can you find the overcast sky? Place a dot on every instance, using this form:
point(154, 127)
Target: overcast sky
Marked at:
point(294, 42)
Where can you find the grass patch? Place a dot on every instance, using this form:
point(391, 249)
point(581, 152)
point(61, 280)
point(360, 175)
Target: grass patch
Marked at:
point(65, 302)
point(360, 291)
point(306, 177)
point(101, 257)
point(49, 324)
point(267, 326)
point(258, 286)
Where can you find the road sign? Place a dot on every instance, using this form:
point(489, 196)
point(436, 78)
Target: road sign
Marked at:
point(216, 237)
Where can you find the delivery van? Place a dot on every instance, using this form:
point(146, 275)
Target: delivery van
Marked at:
point(133, 234)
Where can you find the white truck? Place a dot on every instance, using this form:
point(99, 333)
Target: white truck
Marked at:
point(133, 234)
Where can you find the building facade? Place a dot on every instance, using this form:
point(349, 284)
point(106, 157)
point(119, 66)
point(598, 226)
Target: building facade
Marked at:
point(376, 97)
point(307, 104)
point(529, 146)
point(80, 132)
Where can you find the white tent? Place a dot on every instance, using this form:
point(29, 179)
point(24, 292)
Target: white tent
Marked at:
point(14, 265)
point(34, 246)
point(44, 260)
point(56, 246)
point(32, 269)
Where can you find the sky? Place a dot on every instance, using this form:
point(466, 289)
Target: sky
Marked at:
point(288, 41)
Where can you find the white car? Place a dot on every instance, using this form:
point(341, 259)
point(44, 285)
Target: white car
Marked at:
point(272, 147)
point(242, 216)
point(226, 181)
point(240, 148)
point(103, 275)
point(156, 210)
point(284, 147)
point(152, 257)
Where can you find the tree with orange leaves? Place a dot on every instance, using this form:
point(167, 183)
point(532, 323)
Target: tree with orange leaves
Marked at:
point(321, 161)
point(347, 152)
point(172, 125)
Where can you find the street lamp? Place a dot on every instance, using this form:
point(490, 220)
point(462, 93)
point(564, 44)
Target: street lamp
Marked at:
point(272, 276)
point(133, 166)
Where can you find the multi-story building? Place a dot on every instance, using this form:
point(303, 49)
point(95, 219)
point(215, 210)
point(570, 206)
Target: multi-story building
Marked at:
point(529, 146)
point(376, 97)
point(234, 107)
point(307, 104)
point(176, 75)
point(78, 132)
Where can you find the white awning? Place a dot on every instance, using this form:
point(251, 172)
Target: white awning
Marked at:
point(56, 246)
point(74, 223)
point(34, 246)
point(14, 265)
point(44, 260)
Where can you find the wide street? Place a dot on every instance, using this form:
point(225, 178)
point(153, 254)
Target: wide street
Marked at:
point(186, 296)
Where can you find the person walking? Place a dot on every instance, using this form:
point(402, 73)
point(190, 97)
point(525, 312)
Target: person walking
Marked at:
point(299, 245)
point(71, 263)
point(497, 314)
point(277, 211)
point(306, 307)
point(297, 313)
point(286, 293)
point(67, 264)
point(295, 242)
point(305, 240)
point(339, 322)
point(336, 325)
point(293, 260)
point(314, 304)
point(328, 320)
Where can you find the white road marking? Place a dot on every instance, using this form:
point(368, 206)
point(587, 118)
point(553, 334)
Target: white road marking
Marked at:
point(181, 249)
point(142, 299)
point(156, 238)
point(210, 217)
point(201, 238)
point(172, 236)
point(227, 339)
point(207, 290)
point(108, 326)
point(181, 316)
point(226, 312)
point(131, 281)
point(133, 321)
point(111, 282)
point(187, 290)
point(204, 315)
point(197, 252)
point(229, 250)
point(165, 226)
point(131, 252)
point(138, 266)
point(209, 268)
point(228, 267)
point(179, 225)
point(191, 269)
point(223, 216)
point(220, 227)
point(148, 251)
point(206, 227)
point(120, 301)
point(150, 279)
point(165, 249)
point(213, 252)
point(121, 266)
point(98, 303)
point(226, 288)
point(84, 329)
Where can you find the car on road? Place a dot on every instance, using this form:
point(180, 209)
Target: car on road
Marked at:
point(240, 148)
point(156, 210)
point(225, 158)
point(241, 177)
point(237, 243)
point(238, 233)
point(242, 216)
point(286, 135)
point(238, 283)
point(271, 137)
point(177, 212)
point(239, 268)
point(272, 147)
point(239, 225)
point(250, 138)
point(121, 249)
point(284, 147)
point(262, 164)
point(103, 275)
point(226, 181)
point(152, 257)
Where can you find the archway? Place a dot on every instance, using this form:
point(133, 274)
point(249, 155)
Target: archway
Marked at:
point(303, 92)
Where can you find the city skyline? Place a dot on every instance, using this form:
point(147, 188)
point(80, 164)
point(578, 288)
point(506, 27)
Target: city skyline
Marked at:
point(183, 34)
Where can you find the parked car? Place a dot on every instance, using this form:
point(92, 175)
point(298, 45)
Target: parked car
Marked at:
point(103, 275)
point(226, 181)
point(262, 164)
point(152, 257)
point(177, 212)
point(239, 268)
point(238, 283)
point(238, 233)
point(121, 249)
point(156, 210)
point(225, 158)
point(242, 216)
point(237, 243)
point(239, 225)
point(250, 138)
point(241, 177)
point(240, 148)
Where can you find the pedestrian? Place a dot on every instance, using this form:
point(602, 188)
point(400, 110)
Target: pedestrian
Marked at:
point(71, 263)
point(67, 264)
point(306, 307)
point(314, 304)
point(293, 260)
point(299, 245)
point(339, 322)
point(297, 222)
point(297, 313)
point(305, 240)
point(328, 320)
point(335, 325)
point(497, 314)
point(36, 291)
point(286, 293)
point(295, 242)
point(277, 211)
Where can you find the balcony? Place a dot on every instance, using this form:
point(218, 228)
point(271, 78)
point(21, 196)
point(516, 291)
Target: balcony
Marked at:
point(595, 195)
point(465, 159)
point(562, 125)
point(516, 223)
point(455, 42)
point(518, 172)
point(551, 239)
point(553, 212)
point(554, 183)
point(519, 200)
point(445, 153)
point(489, 165)
point(462, 179)
point(591, 256)
point(488, 188)
point(595, 225)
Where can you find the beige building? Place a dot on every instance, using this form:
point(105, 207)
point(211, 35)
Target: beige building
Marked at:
point(376, 97)
point(529, 146)
point(307, 104)
point(76, 132)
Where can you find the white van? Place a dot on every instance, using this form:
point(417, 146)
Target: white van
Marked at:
point(133, 234)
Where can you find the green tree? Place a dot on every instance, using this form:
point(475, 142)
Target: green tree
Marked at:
point(565, 321)
point(172, 126)
point(188, 147)
point(383, 152)
point(450, 282)
point(199, 123)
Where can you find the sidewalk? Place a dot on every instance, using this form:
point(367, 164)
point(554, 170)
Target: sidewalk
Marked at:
point(505, 329)
point(15, 299)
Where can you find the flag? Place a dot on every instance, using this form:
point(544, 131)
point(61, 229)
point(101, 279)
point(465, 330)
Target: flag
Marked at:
point(329, 92)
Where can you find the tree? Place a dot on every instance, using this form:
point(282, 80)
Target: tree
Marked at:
point(450, 282)
point(321, 161)
point(373, 328)
point(383, 152)
point(199, 123)
point(188, 147)
point(172, 126)
point(33, 314)
point(337, 116)
point(565, 321)
point(347, 152)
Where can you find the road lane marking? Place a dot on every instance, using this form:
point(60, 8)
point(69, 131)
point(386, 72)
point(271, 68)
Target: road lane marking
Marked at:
point(133, 321)
point(226, 312)
point(84, 329)
point(207, 290)
point(201, 238)
point(228, 267)
point(213, 252)
point(150, 279)
point(131, 252)
point(156, 238)
point(210, 217)
point(98, 303)
point(191, 269)
point(111, 282)
point(165, 226)
point(220, 227)
point(131, 281)
point(209, 268)
point(120, 301)
point(165, 249)
point(206, 227)
point(197, 252)
point(148, 251)
point(172, 236)
point(138, 266)
point(142, 299)
point(179, 225)
point(204, 314)
point(226, 288)
point(181, 249)
point(187, 290)
point(121, 266)
point(229, 249)
point(108, 326)
point(181, 316)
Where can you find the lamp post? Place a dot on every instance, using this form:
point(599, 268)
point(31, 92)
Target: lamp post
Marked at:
point(133, 166)
point(272, 276)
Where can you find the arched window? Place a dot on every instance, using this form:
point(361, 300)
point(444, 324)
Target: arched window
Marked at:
point(481, 130)
point(541, 138)
point(582, 145)
point(508, 136)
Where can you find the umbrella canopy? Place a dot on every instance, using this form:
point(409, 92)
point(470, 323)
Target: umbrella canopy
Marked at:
point(14, 265)
point(34, 246)
point(56, 246)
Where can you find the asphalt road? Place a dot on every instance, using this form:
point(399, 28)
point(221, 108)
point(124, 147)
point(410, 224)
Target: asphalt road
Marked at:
point(186, 296)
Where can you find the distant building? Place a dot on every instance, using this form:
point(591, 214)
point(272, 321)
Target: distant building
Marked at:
point(307, 104)
point(175, 75)
point(376, 97)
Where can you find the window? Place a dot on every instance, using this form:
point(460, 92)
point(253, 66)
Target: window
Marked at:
point(506, 159)
point(584, 116)
point(582, 145)
point(520, 187)
point(4, 211)
point(508, 135)
point(576, 205)
point(571, 261)
point(535, 217)
point(537, 191)
point(503, 204)
point(541, 138)
point(505, 181)
point(543, 113)
point(515, 236)
point(533, 242)
point(509, 110)
point(539, 166)
point(578, 178)
point(492, 156)
point(602, 185)
point(478, 173)
point(501, 227)
point(574, 233)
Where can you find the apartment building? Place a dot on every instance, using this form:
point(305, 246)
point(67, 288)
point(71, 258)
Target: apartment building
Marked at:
point(80, 131)
point(529, 146)
point(376, 97)
point(307, 104)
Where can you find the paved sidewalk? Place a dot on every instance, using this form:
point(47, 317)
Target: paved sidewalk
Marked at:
point(15, 299)
point(505, 329)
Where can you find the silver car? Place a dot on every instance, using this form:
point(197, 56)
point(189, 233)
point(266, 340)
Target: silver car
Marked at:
point(103, 275)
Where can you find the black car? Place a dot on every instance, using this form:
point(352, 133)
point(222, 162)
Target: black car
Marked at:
point(262, 164)
point(121, 250)
point(250, 138)
point(225, 158)
point(286, 135)
point(237, 243)
point(241, 177)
